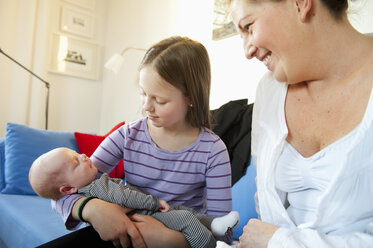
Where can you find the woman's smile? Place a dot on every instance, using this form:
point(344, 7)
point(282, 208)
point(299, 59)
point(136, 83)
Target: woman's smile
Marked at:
point(267, 59)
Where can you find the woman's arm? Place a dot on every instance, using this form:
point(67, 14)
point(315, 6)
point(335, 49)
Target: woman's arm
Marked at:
point(256, 234)
point(260, 234)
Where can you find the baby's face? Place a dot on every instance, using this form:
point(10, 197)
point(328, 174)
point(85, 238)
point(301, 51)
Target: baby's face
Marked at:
point(78, 168)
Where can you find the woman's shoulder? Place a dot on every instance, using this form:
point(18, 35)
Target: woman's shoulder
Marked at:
point(270, 93)
point(268, 85)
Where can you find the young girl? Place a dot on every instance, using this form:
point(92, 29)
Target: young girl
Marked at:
point(170, 153)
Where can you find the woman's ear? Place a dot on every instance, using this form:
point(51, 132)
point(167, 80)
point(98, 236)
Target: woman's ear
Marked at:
point(304, 9)
point(67, 190)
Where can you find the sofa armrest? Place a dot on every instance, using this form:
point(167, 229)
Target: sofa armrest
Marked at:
point(28, 221)
point(243, 202)
point(2, 162)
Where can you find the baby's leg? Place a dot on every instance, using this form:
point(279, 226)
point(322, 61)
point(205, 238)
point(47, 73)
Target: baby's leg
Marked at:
point(203, 218)
point(221, 227)
point(184, 221)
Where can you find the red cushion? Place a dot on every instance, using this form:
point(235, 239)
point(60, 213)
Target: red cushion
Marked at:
point(87, 144)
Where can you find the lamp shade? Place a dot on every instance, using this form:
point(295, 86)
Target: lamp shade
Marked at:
point(114, 63)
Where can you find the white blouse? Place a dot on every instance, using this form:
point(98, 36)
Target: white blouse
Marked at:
point(338, 195)
point(306, 179)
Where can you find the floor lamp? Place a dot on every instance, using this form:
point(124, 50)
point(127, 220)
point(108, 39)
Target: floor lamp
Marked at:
point(45, 83)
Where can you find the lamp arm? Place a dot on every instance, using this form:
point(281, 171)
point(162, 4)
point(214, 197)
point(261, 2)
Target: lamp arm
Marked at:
point(45, 83)
point(132, 47)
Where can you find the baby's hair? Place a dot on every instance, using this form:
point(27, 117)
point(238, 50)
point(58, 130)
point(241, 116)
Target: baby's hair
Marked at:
point(185, 64)
point(44, 182)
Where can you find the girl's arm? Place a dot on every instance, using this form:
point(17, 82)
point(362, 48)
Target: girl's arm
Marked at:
point(218, 181)
point(111, 222)
point(156, 235)
point(63, 207)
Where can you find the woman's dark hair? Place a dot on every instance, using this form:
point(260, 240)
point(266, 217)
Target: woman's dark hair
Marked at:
point(185, 64)
point(336, 7)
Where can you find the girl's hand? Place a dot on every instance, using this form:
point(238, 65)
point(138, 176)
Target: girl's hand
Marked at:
point(163, 206)
point(157, 235)
point(111, 223)
point(256, 234)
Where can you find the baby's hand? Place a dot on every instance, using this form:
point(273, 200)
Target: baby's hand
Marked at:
point(163, 206)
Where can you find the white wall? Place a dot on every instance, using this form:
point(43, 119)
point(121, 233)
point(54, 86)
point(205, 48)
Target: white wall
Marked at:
point(26, 27)
point(14, 83)
point(96, 106)
point(361, 15)
point(76, 102)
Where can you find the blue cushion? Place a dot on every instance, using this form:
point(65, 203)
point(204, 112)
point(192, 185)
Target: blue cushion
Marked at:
point(2, 161)
point(243, 192)
point(22, 146)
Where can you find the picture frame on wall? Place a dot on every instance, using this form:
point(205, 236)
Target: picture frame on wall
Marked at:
point(74, 57)
point(77, 22)
point(223, 26)
point(87, 4)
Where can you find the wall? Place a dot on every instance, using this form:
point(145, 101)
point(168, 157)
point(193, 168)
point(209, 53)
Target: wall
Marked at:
point(15, 84)
point(95, 106)
point(76, 102)
point(26, 27)
point(361, 15)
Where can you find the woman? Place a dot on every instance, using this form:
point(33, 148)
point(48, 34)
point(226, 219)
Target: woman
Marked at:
point(312, 138)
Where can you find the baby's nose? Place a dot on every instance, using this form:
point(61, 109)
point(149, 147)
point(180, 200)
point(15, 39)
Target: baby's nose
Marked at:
point(83, 157)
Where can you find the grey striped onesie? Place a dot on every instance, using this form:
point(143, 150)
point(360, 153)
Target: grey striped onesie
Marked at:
point(193, 225)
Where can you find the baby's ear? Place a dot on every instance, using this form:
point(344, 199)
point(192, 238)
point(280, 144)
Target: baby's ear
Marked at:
point(67, 190)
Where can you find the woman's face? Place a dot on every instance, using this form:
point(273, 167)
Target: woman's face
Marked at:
point(269, 33)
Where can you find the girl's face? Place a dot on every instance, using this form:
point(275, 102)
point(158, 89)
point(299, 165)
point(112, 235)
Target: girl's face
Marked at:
point(268, 30)
point(164, 105)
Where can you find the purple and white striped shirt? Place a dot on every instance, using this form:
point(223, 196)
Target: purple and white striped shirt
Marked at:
point(198, 176)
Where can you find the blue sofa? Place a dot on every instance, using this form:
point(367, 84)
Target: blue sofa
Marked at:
point(28, 220)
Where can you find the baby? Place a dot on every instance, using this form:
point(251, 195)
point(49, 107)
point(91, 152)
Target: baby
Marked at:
point(63, 171)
